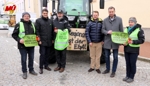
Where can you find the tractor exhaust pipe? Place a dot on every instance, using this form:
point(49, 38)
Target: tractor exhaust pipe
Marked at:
point(102, 4)
point(53, 5)
point(44, 4)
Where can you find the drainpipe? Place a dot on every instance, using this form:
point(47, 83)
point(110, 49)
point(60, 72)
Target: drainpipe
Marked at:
point(24, 6)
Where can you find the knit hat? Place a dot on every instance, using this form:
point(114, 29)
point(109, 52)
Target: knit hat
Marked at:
point(25, 13)
point(133, 19)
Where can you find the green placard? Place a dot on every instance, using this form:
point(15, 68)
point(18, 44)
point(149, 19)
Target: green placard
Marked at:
point(30, 41)
point(119, 37)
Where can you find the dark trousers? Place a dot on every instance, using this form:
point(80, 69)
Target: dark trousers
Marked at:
point(115, 61)
point(61, 58)
point(44, 55)
point(131, 59)
point(24, 52)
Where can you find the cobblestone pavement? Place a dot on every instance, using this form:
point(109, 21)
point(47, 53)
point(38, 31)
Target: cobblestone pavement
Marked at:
point(75, 74)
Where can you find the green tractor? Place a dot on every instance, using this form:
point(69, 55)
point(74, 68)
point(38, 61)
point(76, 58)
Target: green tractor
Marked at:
point(78, 13)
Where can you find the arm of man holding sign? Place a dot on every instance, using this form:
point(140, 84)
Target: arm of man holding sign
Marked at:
point(87, 33)
point(15, 34)
point(121, 26)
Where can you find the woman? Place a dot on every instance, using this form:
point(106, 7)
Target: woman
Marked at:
point(132, 47)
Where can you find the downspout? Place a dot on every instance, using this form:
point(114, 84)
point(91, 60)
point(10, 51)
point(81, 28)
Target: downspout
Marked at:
point(24, 6)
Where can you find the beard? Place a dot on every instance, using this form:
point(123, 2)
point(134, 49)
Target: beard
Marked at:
point(60, 18)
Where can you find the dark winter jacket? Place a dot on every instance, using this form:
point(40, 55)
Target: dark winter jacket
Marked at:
point(93, 31)
point(44, 28)
point(61, 24)
point(28, 30)
point(141, 39)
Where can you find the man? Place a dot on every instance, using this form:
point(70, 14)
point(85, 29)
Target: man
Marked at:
point(45, 33)
point(62, 24)
point(110, 24)
point(95, 37)
point(25, 27)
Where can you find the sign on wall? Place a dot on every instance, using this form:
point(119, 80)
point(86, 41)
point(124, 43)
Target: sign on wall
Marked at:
point(10, 8)
point(77, 39)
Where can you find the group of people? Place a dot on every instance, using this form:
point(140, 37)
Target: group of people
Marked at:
point(98, 33)
point(46, 31)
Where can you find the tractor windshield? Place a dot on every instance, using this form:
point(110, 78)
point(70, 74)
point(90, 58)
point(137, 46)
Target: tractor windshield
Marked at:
point(75, 7)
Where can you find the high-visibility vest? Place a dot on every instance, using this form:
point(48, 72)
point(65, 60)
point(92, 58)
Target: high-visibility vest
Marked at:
point(22, 30)
point(133, 36)
point(62, 38)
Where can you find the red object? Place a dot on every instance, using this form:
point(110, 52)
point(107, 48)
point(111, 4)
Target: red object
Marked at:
point(55, 28)
point(129, 40)
point(37, 38)
point(8, 8)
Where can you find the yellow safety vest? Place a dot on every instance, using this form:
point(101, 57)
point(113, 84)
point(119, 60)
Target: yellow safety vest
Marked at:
point(22, 30)
point(133, 36)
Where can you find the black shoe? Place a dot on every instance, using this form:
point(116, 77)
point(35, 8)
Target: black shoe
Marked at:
point(98, 71)
point(106, 71)
point(47, 68)
point(24, 76)
point(112, 74)
point(41, 71)
point(33, 72)
point(90, 70)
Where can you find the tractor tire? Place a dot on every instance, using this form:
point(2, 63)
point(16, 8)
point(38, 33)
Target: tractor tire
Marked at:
point(52, 57)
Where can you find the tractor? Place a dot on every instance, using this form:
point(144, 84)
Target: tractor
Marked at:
point(78, 13)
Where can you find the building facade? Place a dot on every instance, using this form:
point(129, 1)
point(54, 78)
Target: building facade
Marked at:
point(124, 8)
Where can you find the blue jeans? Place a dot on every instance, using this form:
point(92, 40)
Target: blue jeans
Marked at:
point(131, 59)
point(115, 61)
point(23, 53)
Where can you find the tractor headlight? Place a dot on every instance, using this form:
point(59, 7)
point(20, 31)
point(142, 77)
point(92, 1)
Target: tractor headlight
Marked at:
point(71, 18)
point(83, 18)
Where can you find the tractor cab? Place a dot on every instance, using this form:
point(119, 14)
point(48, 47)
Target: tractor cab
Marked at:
point(77, 12)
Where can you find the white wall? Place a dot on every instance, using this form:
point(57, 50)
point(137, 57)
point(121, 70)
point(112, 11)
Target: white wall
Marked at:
point(128, 8)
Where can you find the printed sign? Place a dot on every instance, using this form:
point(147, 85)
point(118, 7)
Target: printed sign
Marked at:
point(30, 41)
point(119, 37)
point(10, 8)
point(77, 39)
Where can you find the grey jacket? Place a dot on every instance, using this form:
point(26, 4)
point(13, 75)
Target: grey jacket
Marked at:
point(114, 25)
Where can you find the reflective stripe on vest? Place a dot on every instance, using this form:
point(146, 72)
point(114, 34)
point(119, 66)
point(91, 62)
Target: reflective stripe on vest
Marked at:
point(133, 36)
point(22, 30)
point(61, 41)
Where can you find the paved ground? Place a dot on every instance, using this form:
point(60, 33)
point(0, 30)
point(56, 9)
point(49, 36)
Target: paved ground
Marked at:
point(76, 70)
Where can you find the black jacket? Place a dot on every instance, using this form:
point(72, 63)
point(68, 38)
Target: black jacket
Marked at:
point(28, 30)
point(61, 24)
point(141, 39)
point(44, 28)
